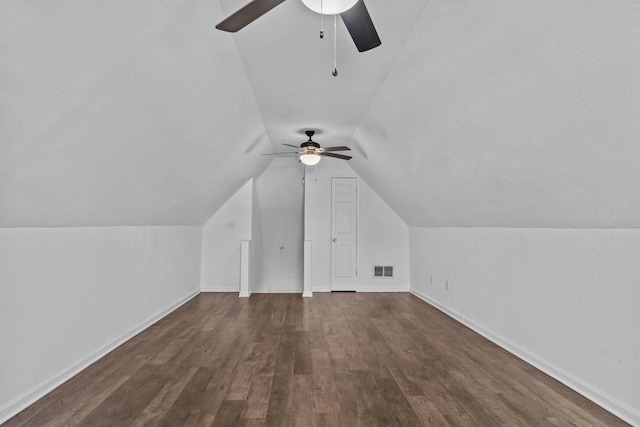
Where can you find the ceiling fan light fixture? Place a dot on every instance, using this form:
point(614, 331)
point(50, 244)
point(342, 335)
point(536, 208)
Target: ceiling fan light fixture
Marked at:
point(310, 159)
point(329, 7)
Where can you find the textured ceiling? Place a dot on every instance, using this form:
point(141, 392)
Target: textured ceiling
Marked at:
point(498, 113)
point(121, 113)
point(511, 114)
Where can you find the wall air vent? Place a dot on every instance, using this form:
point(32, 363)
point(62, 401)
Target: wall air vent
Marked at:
point(382, 271)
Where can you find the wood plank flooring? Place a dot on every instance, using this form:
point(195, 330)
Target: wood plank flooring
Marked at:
point(341, 359)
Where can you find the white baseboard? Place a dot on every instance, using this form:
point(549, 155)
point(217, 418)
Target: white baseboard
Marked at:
point(611, 404)
point(15, 406)
point(223, 288)
point(275, 291)
point(366, 289)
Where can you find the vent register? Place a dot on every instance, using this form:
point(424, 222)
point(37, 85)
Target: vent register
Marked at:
point(382, 271)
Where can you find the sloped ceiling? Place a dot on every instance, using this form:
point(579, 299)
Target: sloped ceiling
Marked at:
point(121, 113)
point(499, 113)
point(511, 114)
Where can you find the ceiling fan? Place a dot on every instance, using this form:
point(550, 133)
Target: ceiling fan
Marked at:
point(310, 151)
point(354, 14)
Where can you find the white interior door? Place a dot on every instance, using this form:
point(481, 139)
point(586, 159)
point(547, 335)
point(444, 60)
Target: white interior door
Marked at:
point(344, 234)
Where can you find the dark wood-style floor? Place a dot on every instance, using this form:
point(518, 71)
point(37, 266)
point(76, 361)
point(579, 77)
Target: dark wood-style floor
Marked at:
point(341, 359)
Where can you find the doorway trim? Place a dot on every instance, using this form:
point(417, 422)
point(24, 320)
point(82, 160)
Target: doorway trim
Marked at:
point(344, 234)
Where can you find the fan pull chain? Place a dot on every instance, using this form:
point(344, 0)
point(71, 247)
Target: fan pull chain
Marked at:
point(321, 21)
point(335, 25)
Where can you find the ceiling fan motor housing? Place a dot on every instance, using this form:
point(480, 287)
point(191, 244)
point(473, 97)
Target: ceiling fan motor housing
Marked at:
point(329, 7)
point(309, 145)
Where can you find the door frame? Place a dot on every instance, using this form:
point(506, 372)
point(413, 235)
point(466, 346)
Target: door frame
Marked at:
point(356, 239)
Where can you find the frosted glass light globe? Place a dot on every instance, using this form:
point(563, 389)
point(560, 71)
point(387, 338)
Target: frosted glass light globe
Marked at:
point(329, 7)
point(310, 159)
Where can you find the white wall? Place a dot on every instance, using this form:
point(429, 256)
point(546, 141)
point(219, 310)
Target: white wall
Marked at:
point(565, 300)
point(221, 237)
point(69, 295)
point(279, 253)
point(256, 241)
point(383, 238)
point(269, 212)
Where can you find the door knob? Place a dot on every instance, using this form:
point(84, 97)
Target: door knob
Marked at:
point(334, 240)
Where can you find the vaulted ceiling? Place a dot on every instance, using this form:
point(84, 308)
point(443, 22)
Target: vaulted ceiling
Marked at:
point(497, 113)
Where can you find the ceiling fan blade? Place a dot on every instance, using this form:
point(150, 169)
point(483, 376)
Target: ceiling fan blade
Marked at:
point(360, 26)
point(337, 156)
point(339, 148)
point(247, 14)
point(289, 145)
point(277, 154)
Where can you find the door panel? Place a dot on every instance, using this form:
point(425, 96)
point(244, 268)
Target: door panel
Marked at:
point(342, 217)
point(343, 266)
